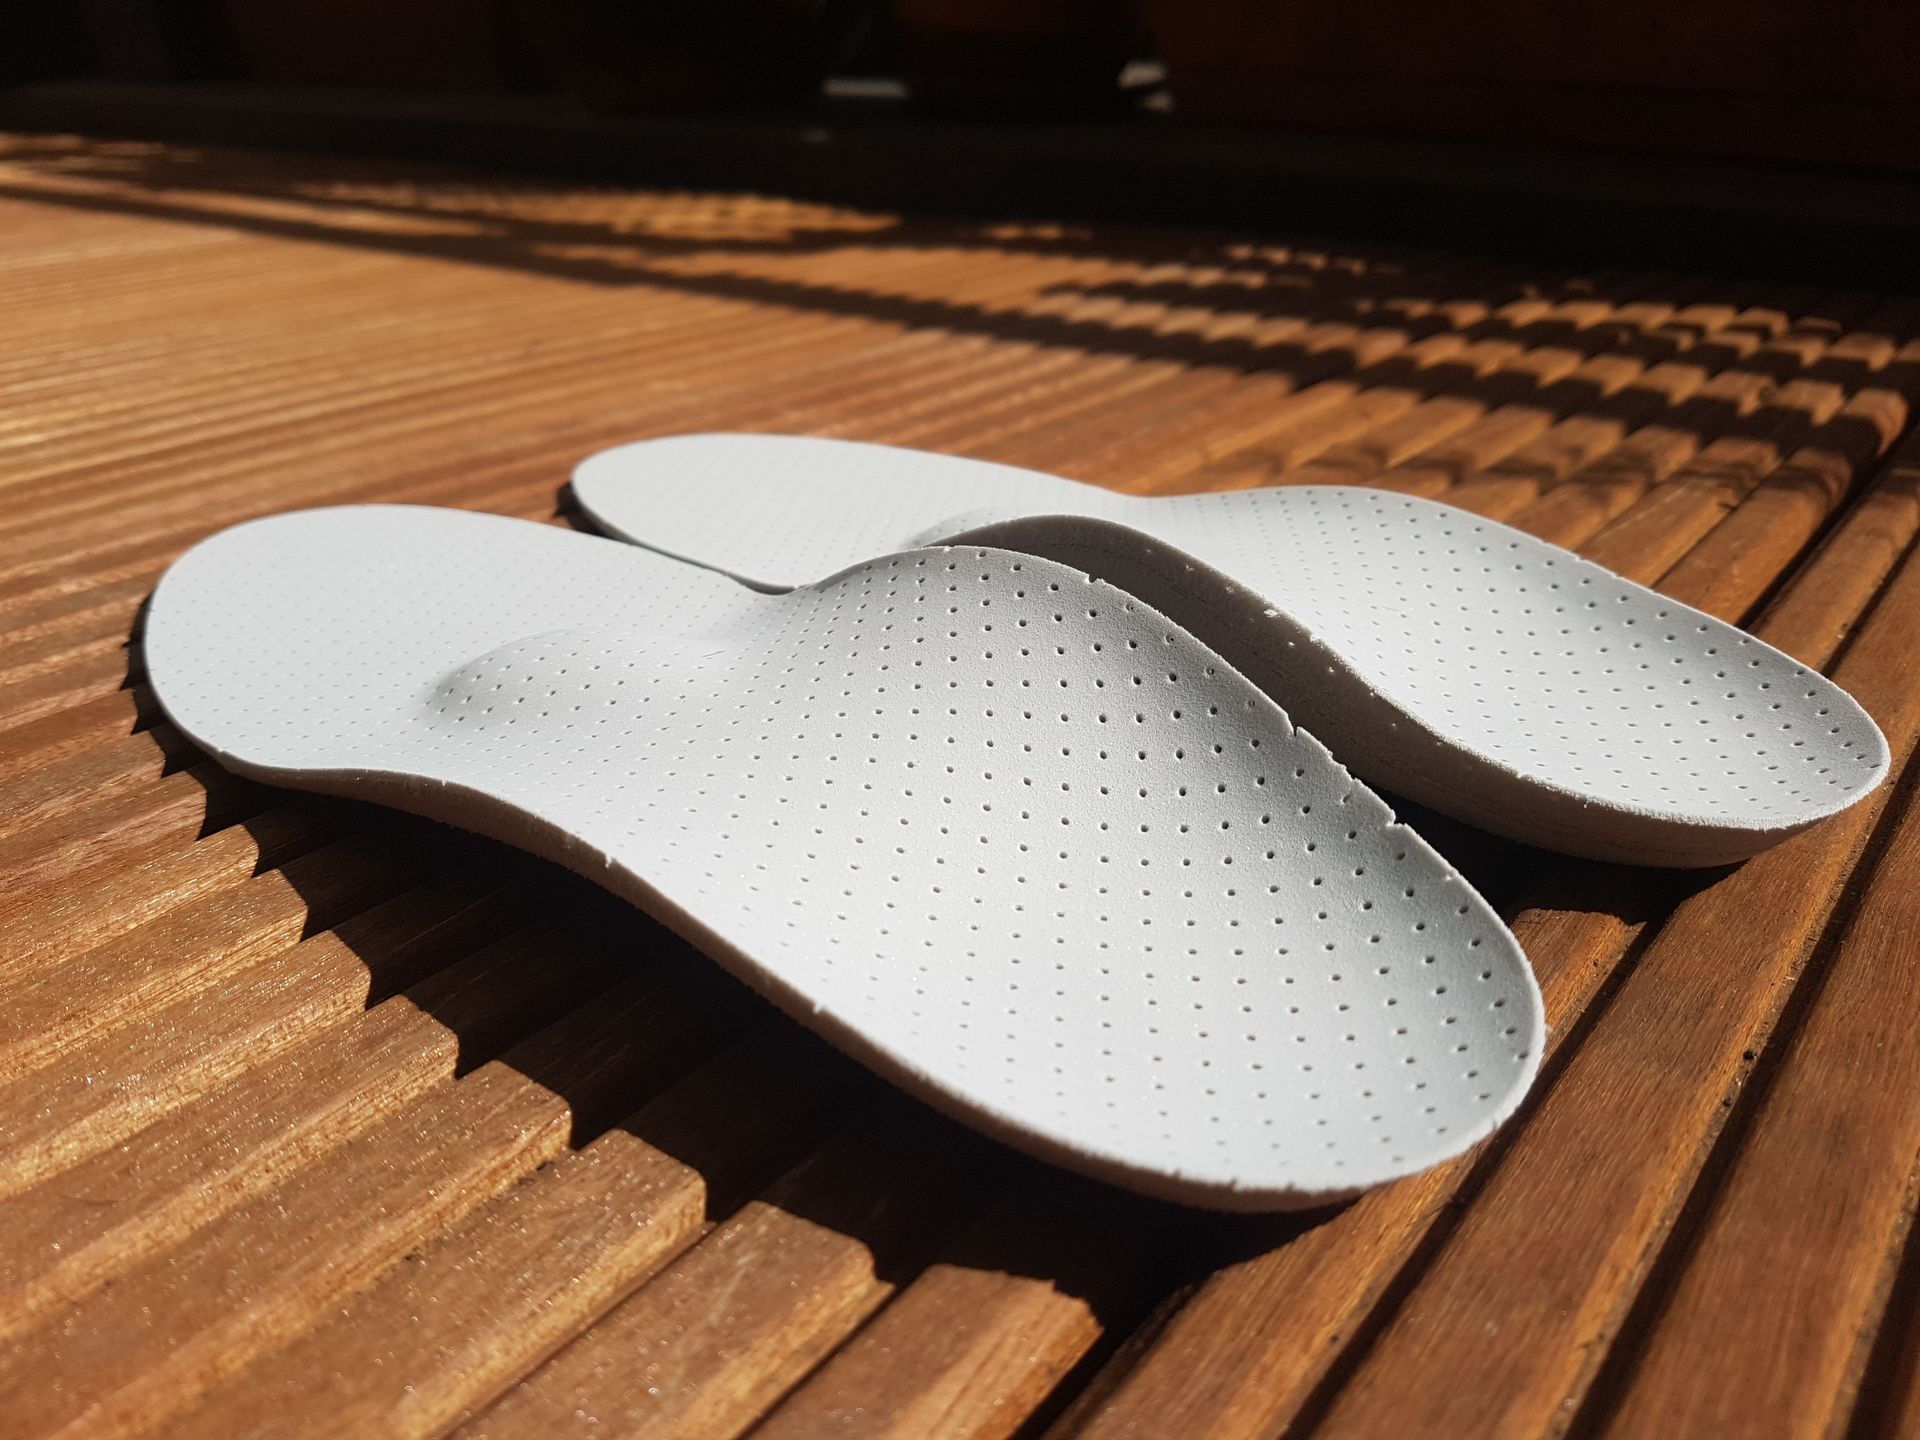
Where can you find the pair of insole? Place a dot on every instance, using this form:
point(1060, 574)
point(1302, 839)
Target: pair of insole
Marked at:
point(1007, 832)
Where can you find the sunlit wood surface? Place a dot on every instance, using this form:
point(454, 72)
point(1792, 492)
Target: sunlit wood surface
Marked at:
point(319, 1121)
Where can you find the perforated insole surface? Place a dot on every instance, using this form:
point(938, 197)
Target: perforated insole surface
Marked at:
point(1459, 662)
point(996, 828)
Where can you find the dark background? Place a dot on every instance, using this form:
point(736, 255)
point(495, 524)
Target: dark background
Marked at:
point(1775, 137)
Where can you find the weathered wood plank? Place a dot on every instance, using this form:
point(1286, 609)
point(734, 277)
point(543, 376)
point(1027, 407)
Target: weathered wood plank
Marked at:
point(708, 1344)
point(445, 1332)
point(976, 1344)
point(98, 1094)
point(263, 1272)
point(55, 1009)
point(96, 886)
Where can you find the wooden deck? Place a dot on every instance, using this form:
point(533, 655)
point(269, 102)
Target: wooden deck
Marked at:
point(318, 1121)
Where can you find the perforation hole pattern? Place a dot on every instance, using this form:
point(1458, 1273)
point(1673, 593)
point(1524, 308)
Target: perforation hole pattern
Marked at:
point(1543, 663)
point(1016, 839)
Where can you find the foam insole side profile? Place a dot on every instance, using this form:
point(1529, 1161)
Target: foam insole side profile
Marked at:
point(1451, 659)
point(995, 828)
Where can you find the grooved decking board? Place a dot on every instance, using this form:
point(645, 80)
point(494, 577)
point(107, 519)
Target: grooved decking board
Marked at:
point(318, 1120)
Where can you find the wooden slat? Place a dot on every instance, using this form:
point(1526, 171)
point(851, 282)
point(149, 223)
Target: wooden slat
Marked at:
point(765, 1296)
point(108, 873)
point(57, 1008)
point(99, 1093)
point(974, 1346)
point(75, 1230)
point(267, 1270)
point(489, 1299)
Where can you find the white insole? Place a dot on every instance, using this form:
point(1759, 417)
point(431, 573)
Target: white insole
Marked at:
point(997, 829)
point(1453, 660)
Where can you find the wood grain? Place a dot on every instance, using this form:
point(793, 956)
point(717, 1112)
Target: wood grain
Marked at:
point(490, 1298)
point(316, 1121)
point(713, 1340)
